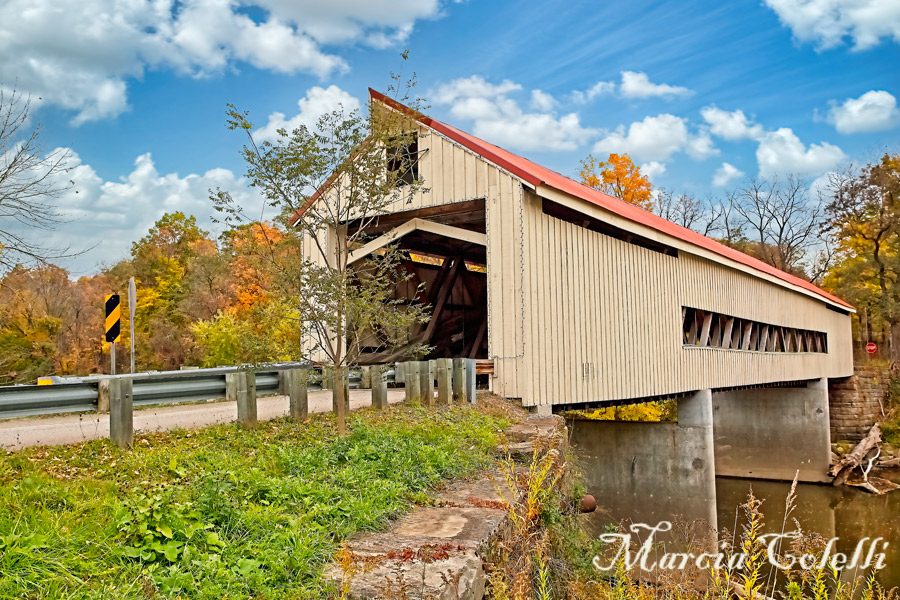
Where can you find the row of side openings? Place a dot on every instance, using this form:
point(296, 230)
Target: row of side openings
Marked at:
point(707, 329)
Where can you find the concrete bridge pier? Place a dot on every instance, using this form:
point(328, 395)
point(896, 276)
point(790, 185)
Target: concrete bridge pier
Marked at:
point(772, 433)
point(652, 472)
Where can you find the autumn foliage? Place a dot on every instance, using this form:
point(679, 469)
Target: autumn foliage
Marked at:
point(618, 176)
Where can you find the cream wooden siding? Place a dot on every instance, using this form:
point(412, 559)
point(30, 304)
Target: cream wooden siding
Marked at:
point(604, 320)
point(449, 172)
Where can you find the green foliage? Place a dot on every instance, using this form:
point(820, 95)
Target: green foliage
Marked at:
point(224, 512)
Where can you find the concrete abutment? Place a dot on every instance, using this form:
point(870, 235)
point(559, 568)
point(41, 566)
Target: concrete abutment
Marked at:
point(773, 433)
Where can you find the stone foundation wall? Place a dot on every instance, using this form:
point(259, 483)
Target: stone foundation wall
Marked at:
point(855, 403)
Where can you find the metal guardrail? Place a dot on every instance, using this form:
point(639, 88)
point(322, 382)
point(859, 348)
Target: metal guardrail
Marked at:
point(28, 400)
point(79, 394)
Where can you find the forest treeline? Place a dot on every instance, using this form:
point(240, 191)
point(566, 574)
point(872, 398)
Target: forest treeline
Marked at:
point(200, 301)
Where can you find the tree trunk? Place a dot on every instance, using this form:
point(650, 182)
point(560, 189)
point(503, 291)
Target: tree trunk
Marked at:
point(338, 398)
point(895, 346)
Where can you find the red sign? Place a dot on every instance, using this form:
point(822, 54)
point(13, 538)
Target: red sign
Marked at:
point(871, 348)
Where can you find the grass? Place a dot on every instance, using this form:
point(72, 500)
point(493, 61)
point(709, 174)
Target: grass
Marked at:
point(224, 511)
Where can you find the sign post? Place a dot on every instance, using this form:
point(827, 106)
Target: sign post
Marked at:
point(871, 347)
point(113, 328)
point(132, 303)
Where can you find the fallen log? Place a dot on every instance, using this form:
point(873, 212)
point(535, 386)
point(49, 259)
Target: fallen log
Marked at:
point(854, 459)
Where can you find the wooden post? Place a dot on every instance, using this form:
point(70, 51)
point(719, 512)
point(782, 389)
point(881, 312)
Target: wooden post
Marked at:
point(345, 385)
point(444, 373)
point(379, 387)
point(295, 385)
point(121, 412)
point(241, 388)
point(399, 369)
point(470, 380)
point(413, 381)
point(365, 377)
point(459, 380)
point(327, 378)
point(426, 381)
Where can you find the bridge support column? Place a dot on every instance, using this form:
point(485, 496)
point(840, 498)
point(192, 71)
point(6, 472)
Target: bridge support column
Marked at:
point(772, 433)
point(652, 472)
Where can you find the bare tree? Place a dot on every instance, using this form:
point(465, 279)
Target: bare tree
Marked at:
point(781, 221)
point(703, 216)
point(29, 182)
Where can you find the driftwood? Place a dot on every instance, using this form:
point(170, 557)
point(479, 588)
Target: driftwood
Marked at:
point(875, 485)
point(843, 470)
point(889, 463)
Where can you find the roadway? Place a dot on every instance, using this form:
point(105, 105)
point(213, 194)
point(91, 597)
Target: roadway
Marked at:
point(75, 428)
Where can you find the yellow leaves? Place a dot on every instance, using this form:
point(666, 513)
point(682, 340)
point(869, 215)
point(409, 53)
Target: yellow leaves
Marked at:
point(618, 176)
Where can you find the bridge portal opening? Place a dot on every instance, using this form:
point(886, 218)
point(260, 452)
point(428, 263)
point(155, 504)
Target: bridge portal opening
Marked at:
point(444, 252)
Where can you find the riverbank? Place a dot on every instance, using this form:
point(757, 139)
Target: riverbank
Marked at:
point(226, 511)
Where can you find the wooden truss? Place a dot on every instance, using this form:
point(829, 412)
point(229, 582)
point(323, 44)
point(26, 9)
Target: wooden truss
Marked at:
point(458, 233)
point(707, 329)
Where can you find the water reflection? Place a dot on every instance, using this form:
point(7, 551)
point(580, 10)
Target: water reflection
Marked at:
point(848, 514)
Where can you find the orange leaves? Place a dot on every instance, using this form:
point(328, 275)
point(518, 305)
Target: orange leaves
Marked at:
point(618, 176)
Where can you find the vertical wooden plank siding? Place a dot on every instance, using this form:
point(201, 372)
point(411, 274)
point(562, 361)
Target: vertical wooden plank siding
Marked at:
point(597, 299)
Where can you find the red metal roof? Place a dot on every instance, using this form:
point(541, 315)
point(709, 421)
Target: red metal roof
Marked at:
point(536, 175)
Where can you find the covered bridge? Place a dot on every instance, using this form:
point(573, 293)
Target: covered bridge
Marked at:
point(583, 299)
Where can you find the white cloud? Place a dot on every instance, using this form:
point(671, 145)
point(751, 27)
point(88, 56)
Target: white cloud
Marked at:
point(317, 102)
point(472, 87)
point(501, 120)
point(782, 152)
point(700, 146)
point(873, 111)
point(116, 213)
point(656, 139)
point(601, 88)
point(731, 125)
point(542, 101)
point(638, 85)
point(653, 169)
point(634, 85)
point(726, 174)
point(828, 22)
point(81, 54)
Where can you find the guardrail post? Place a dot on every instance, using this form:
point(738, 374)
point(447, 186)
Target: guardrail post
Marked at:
point(426, 378)
point(412, 381)
point(295, 386)
point(379, 387)
point(459, 380)
point(241, 388)
point(470, 380)
point(103, 395)
point(444, 374)
point(121, 411)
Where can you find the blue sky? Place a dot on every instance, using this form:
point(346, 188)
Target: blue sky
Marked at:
point(137, 90)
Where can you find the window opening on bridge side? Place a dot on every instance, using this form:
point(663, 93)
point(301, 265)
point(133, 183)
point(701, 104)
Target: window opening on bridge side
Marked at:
point(707, 329)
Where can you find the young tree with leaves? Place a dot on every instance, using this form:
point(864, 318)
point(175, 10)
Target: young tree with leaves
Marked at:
point(329, 184)
point(618, 176)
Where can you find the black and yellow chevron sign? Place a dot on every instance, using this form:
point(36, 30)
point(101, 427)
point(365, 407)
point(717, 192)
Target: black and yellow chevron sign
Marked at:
point(113, 312)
